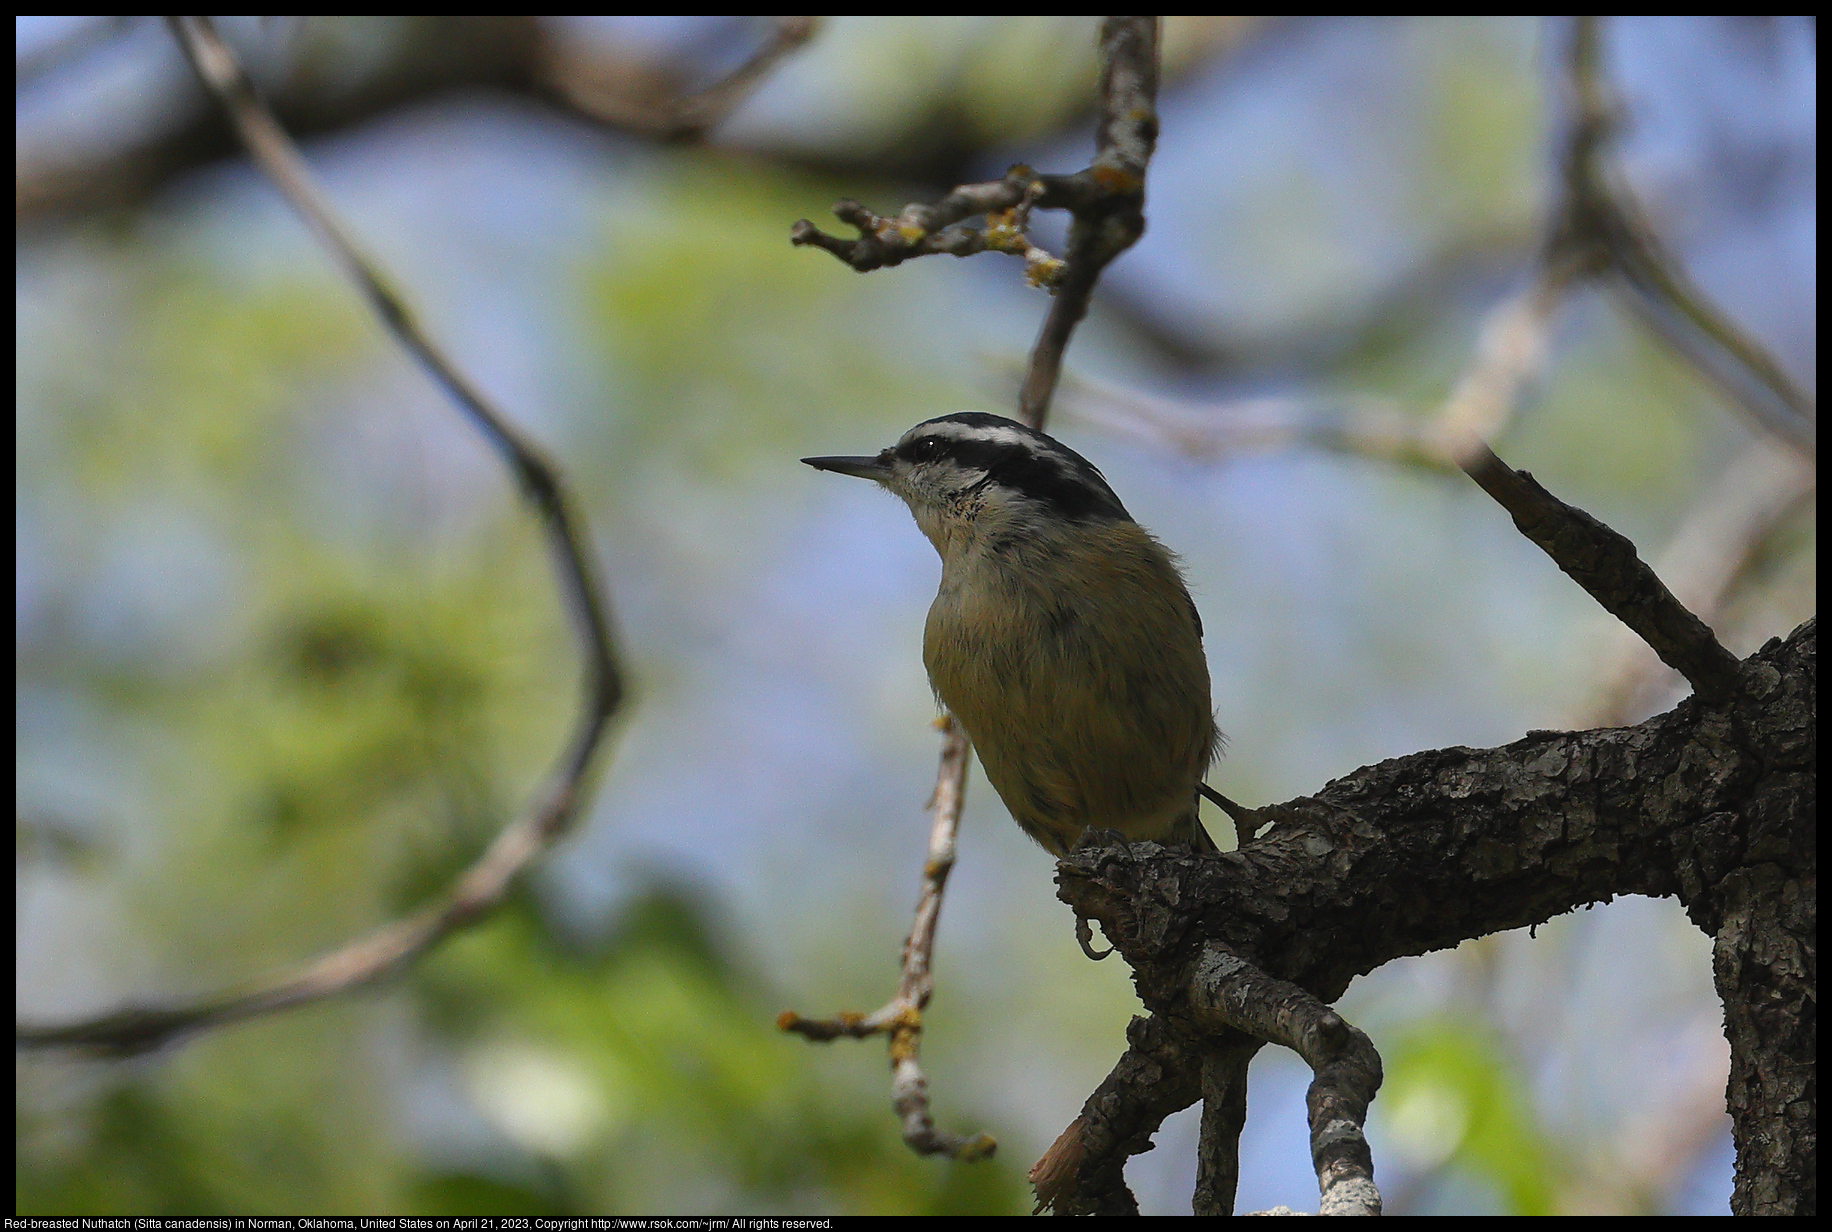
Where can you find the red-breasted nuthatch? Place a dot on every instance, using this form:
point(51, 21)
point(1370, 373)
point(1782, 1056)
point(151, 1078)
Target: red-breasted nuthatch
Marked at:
point(1063, 638)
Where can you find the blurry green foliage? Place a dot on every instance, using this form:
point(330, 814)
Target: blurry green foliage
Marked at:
point(1455, 1098)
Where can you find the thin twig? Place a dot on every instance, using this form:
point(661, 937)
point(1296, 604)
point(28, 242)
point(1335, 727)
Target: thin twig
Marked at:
point(901, 1016)
point(582, 84)
point(1106, 203)
point(481, 887)
point(1110, 217)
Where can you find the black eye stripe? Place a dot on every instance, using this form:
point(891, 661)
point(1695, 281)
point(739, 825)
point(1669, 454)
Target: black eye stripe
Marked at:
point(1023, 461)
point(924, 449)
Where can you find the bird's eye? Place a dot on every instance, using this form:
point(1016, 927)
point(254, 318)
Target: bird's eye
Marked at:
point(925, 450)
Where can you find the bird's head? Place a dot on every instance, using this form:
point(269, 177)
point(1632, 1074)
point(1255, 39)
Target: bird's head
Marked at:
point(973, 477)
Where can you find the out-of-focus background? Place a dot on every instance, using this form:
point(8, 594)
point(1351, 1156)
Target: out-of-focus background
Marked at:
point(288, 651)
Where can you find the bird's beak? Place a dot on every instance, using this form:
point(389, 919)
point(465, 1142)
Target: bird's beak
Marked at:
point(878, 468)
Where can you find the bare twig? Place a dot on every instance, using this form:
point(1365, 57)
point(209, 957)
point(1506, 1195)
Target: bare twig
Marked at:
point(1109, 218)
point(901, 1016)
point(1224, 1115)
point(481, 887)
point(1605, 564)
point(583, 84)
point(941, 227)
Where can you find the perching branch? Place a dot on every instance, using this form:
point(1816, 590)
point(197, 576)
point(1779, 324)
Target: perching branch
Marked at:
point(1712, 802)
point(901, 1016)
point(480, 888)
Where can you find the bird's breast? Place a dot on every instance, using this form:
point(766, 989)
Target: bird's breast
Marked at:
point(1077, 670)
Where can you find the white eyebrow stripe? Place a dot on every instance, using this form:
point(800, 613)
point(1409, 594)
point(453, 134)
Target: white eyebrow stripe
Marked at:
point(983, 432)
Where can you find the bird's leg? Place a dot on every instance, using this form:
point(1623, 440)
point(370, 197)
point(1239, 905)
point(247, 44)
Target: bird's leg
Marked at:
point(1247, 822)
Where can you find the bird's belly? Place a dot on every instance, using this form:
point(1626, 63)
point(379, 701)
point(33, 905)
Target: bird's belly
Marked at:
point(1078, 729)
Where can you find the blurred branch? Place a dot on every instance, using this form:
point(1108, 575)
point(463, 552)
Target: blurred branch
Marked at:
point(600, 91)
point(1591, 231)
point(901, 1016)
point(427, 56)
point(1602, 225)
point(1358, 425)
point(423, 57)
point(480, 888)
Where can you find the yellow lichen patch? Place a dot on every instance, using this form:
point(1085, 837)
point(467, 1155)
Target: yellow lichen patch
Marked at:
point(1043, 270)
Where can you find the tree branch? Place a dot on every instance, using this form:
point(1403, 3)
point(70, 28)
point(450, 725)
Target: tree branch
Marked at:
point(1712, 802)
point(57, 53)
point(1224, 1115)
point(1083, 1172)
point(1106, 203)
point(480, 888)
point(1704, 562)
point(1604, 563)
